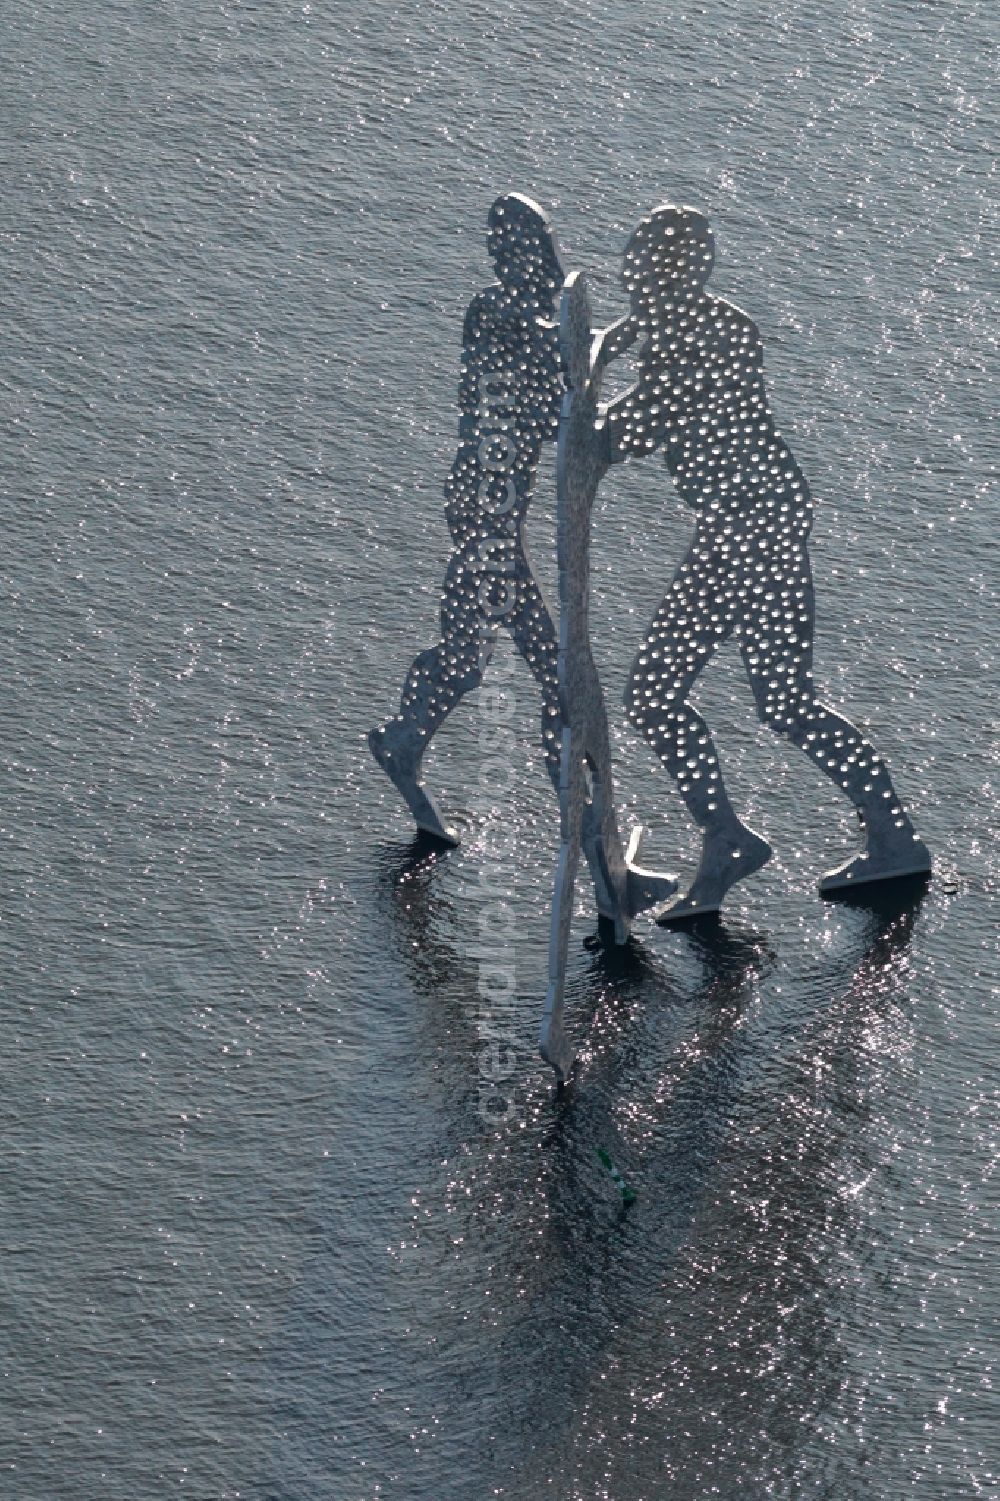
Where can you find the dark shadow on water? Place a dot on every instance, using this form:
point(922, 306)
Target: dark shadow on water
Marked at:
point(399, 861)
point(892, 908)
point(740, 1259)
point(689, 1082)
point(664, 1059)
point(422, 926)
point(885, 899)
point(723, 945)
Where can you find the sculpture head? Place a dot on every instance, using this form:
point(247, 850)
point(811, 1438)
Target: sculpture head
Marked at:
point(523, 248)
point(668, 259)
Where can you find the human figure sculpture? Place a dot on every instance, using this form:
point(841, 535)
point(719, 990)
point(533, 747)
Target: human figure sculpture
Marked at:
point(509, 395)
point(587, 816)
point(700, 399)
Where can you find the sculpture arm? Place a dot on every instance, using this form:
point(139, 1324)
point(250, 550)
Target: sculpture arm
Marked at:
point(616, 431)
point(613, 341)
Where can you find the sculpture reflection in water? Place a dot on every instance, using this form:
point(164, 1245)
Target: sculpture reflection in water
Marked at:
point(747, 1158)
point(750, 1239)
point(700, 399)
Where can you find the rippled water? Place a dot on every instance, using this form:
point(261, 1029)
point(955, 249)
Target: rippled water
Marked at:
point(259, 1240)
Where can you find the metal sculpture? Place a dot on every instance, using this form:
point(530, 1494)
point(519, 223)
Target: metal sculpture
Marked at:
point(586, 785)
point(510, 394)
point(700, 399)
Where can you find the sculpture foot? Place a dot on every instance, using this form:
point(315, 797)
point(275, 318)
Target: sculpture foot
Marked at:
point(420, 803)
point(557, 1050)
point(645, 888)
point(883, 861)
point(723, 863)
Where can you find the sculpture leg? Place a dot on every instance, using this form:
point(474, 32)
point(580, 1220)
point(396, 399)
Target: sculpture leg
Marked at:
point(777, 648)
point(696, 617)
point(437, 680)
point(605, 845)
point(554, 1045)
point(634, 888)
point(536, 639)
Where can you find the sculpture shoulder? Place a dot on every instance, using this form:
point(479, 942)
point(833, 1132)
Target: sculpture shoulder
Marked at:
point(733, 333)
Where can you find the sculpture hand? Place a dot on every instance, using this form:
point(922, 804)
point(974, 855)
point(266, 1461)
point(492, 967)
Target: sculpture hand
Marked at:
point(611, 342)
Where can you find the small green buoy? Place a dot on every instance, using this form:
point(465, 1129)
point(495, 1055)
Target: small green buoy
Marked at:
point(628, 1194)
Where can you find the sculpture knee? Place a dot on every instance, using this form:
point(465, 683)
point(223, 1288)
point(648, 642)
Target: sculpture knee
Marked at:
point(425, 663)
point(653, 696)
point(646, 715)
point(784, 710)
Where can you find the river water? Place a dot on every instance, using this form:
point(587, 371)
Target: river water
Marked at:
point(260, 1238)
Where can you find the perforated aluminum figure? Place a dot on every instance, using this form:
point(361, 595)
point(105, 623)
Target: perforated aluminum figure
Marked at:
point(700, 400)
point(509, 397)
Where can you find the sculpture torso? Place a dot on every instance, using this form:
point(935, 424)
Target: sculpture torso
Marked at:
point(510, 393)
point(701, 399)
